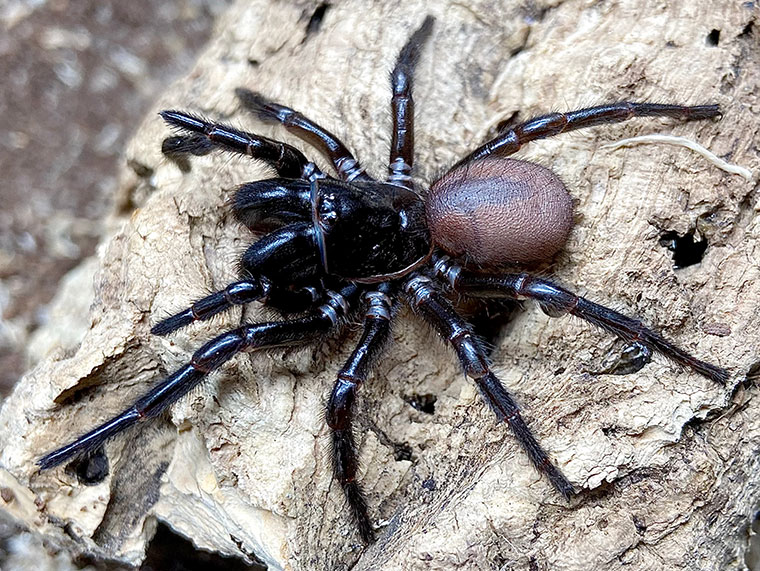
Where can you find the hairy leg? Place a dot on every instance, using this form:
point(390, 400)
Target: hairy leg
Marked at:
point(205, 360)
point(402, 106)
point(288, 253)
point(340, 407)
point(556, 301)
point(346, 165)
point(510, 141)
point(288, 161)
point(427, 300)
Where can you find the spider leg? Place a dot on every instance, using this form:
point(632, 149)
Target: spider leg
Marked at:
point(556, 301)
point(197, 145)
point(237, 293)
point(346, 165)
point(288, 161)
point(273, 202)
point(340, 407)
point(428, 301)
point(553, 124)
point(287, 254)
point(402, 106)
point(205, 360)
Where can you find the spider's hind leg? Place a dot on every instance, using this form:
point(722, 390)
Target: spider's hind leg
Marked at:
point(340, 407)
point(510, 141)
point(556, 301)
point(428, 301)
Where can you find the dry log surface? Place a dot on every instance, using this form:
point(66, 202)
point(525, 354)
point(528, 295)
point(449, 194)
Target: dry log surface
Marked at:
point(666, 461)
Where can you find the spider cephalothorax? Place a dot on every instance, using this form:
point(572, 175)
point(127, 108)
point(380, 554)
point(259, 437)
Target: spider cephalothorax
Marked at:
point(339, 248)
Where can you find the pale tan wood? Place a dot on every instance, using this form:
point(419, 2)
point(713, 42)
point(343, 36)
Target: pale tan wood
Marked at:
point(667, 461)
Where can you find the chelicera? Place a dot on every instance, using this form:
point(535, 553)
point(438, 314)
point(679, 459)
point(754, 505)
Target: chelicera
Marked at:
point(348, 246)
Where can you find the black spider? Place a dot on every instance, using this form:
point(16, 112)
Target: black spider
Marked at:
point(339, 245)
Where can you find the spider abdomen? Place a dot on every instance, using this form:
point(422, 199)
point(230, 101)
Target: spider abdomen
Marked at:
point(495, 212)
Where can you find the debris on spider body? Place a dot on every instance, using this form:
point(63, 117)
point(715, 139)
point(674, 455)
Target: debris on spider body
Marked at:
point(349, 246)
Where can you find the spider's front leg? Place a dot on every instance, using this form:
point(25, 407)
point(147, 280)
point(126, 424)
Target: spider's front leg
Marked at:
point(346, 165)
point(427, 300)
point(207, 359)
point(556, 301)
point(340, 407)
point(284, 255)
point(288, 161)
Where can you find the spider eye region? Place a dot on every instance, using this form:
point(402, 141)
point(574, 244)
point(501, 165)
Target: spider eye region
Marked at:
point(327, 211)
point(369, 231)
point(496, 212)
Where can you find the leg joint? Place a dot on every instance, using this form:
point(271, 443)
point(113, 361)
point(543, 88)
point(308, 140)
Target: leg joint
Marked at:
point(472, 358)
point(378, 305)
point(341, 402)
point(419, 288)
point(336, 307)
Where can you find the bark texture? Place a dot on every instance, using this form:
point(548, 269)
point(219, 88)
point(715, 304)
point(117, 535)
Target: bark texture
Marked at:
point(666, 461)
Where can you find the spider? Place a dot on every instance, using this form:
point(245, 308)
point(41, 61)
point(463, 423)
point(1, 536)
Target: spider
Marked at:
point(337, 247)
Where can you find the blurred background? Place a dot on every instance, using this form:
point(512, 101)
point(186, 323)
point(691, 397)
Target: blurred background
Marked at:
point(78, 77)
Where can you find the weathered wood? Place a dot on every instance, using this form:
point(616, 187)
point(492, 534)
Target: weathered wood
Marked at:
point(667, 461)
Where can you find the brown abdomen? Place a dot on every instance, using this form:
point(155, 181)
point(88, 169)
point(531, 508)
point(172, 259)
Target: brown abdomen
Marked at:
point(496, 212)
